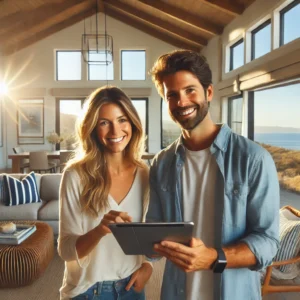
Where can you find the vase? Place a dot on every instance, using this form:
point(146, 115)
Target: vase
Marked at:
point(53, 147)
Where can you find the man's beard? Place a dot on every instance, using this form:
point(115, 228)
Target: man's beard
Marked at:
point(190, 123)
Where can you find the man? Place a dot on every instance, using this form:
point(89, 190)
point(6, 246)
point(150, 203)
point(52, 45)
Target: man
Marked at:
point(226, 184)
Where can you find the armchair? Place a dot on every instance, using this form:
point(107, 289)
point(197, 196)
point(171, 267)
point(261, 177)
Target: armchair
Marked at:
point(284, 273)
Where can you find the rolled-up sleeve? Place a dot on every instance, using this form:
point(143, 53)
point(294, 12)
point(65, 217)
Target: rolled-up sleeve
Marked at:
point(70, 217)
point(263, 211)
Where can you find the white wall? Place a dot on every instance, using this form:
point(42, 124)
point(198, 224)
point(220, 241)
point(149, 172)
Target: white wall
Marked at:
point(215, 50)
point(212, 53)
point(32, 72)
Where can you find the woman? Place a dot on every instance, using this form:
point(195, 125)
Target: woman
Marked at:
point(106, 182)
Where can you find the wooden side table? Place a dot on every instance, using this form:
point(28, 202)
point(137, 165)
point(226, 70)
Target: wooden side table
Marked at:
point(22, 264)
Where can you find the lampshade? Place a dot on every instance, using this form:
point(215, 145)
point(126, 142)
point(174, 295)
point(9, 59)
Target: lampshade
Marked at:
point(96, 48)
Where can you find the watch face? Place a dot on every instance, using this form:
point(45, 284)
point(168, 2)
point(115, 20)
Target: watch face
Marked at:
point(219, 266)
point(221, 262)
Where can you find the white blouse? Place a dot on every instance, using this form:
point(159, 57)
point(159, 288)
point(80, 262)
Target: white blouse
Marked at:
point(107, 260)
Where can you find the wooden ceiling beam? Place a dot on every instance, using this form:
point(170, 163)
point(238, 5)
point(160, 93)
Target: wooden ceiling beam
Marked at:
point(21, 16)
point(166, 26)
point(8, 50)
point(185, 17)
point(149, 30)
point(229, 7)
point(45, 17)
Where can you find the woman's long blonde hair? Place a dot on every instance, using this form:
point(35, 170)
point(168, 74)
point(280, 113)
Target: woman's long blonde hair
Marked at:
point(90, 161)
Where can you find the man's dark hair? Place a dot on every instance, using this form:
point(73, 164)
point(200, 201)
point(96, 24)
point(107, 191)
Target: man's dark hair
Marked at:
point(181, 60)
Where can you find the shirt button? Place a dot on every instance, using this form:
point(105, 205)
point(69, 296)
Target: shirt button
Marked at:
point(235, 191)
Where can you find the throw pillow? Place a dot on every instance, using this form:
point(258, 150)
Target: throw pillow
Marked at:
point(289, 241)
point(18, 192)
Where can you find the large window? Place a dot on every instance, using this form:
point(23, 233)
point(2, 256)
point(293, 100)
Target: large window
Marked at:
point(235, 115)
point(276, 116)
point(141, 105)
point(277, 127)
point(68, 65)
point(67, 112)
point(133, 65)
point(237, 55)
point(290, 23)
point(100, 72)
point(170, 131)
point(261, 40)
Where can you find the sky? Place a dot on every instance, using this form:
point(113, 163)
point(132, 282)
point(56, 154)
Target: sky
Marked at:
point(278, 106)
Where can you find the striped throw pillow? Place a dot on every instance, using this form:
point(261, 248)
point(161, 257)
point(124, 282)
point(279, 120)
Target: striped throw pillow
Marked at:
point(18, 192)
point(289, 242)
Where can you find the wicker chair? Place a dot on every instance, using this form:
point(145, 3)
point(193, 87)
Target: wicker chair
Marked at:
point(284, 274)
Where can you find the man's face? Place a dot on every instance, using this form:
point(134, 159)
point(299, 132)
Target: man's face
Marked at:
point(186, 99)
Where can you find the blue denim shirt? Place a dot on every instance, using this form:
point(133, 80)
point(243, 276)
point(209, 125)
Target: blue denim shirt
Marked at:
point(247, 210)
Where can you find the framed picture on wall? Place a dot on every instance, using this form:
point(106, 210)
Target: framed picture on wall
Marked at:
point(30, 116)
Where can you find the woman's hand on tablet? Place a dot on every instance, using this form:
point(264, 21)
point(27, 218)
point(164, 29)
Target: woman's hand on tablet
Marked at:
point(112, 216)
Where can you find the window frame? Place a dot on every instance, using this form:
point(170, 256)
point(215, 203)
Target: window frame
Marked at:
point(121, 60)
point(56, 65)
point(146, 99)
point(88, 72)
point(229, 117)
point(251, 115)
point(240, 41)
point(256, 30)
point(281, 20)
point(57, 113)
point(161, 124)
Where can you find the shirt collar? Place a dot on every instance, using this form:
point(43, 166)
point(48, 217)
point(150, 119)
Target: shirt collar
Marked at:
point(220, 142)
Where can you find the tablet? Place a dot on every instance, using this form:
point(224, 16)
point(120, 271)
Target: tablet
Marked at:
point(138, 238)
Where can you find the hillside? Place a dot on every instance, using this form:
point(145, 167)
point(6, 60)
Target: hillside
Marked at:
point(288, 167)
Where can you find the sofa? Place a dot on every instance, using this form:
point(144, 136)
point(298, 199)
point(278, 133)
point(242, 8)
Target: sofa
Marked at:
point(46, 211)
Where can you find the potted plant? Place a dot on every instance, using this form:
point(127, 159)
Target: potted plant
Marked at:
point(53, 138)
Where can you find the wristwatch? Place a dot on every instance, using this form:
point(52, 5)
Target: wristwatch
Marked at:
point(220, 264)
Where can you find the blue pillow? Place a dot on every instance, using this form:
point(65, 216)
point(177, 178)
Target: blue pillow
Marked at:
point(18, 192)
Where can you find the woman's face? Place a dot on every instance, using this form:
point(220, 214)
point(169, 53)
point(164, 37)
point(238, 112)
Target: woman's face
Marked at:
point(114, 129)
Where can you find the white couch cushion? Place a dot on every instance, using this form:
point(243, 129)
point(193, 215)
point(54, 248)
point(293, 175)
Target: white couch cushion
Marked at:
point(49, 211)
point(25, 212)
point(49, 188)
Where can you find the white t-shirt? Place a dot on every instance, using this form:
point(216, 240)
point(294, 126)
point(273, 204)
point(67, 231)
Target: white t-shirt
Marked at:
point(106, 261)
point(198, 181)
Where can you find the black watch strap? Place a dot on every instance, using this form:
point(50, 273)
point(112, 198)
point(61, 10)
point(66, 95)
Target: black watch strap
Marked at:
point(221, 262)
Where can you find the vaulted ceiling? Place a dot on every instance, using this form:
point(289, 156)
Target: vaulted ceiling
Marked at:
point(186, 24)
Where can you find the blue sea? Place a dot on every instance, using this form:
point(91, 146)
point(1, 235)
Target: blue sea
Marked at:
point(283, 140)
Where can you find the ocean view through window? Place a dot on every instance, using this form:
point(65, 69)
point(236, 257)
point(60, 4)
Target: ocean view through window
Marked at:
point(277, 128)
